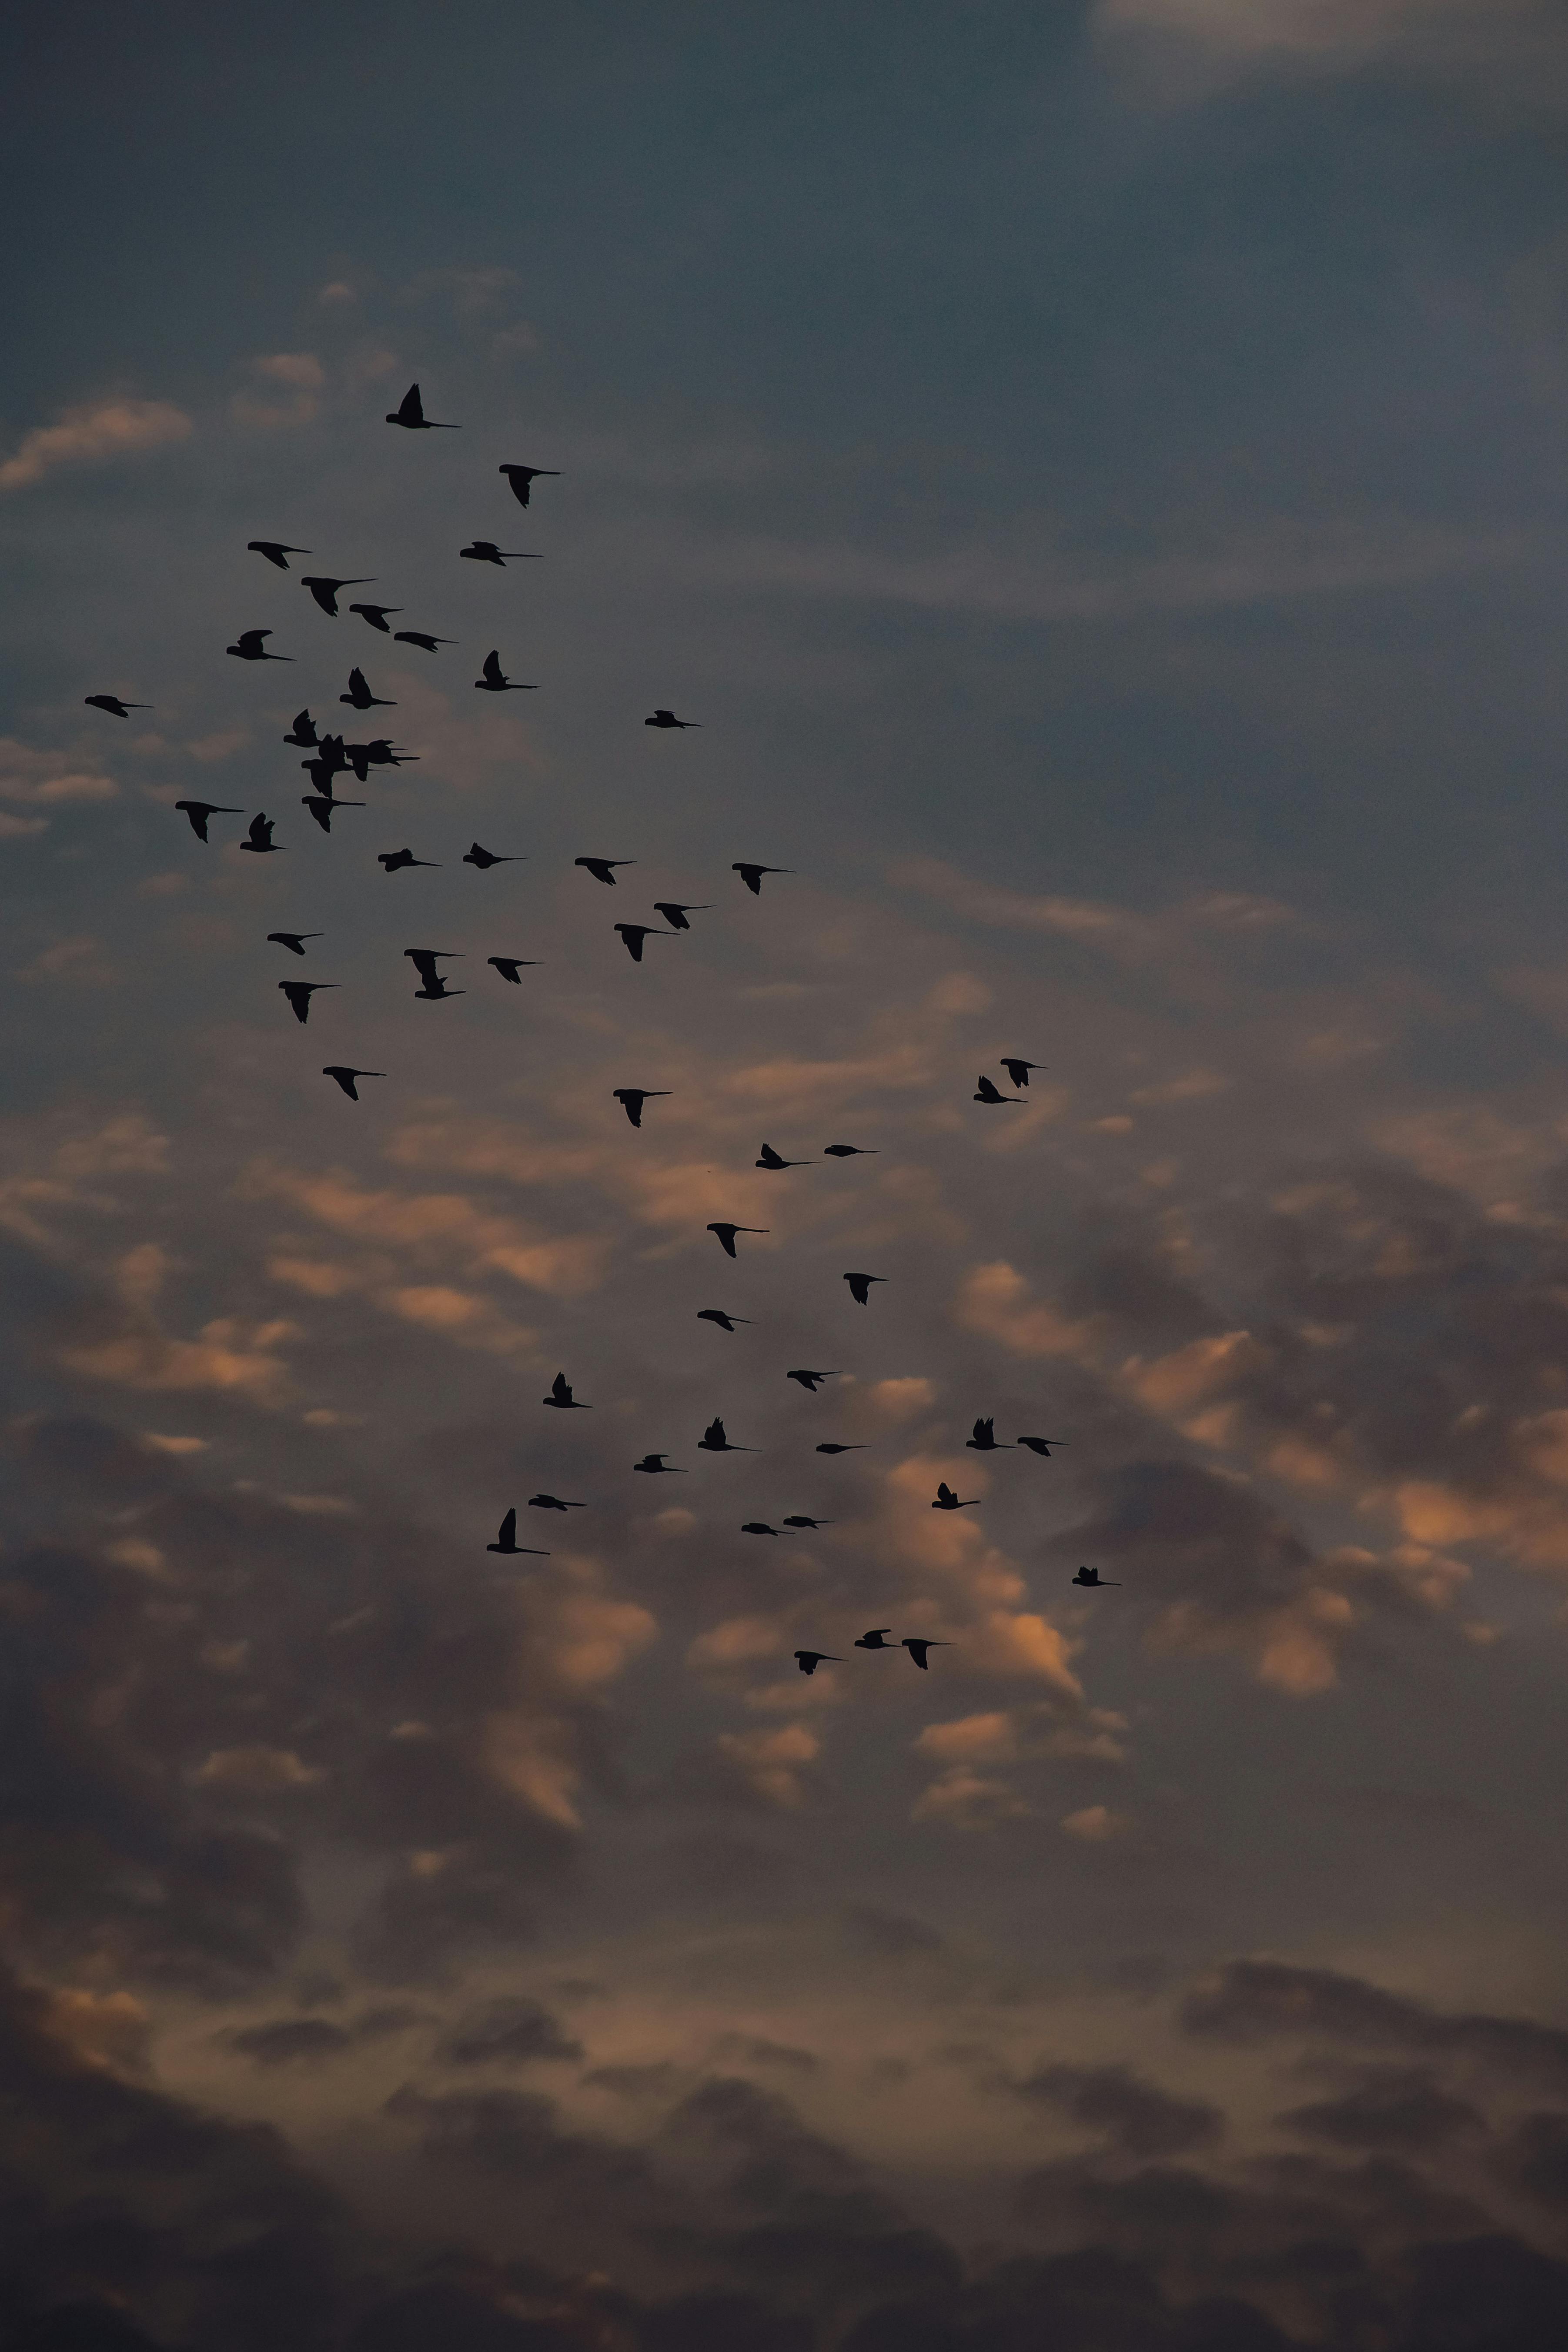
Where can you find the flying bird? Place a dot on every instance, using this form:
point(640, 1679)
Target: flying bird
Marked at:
point(506, 1541)
point(601, 868)
point(946, 1500)
point(985, 1440)
point(420, 637)
point(848, 1151)
point(799, 1519)
point(493, 679)
point(260, 839)
point(986, 1092)
point(861, 1286)
point(841, 1449)
point(873, 1640)
point(675, 914)
point(561, 1397)
point(757, 1527)
point(713, 1440)
point(510, 966)
point(485, 859)
point(293, 941)
point(668, 718)
point(809, 1379)
point(274, 551)
point(199, 810)
point(1018, 1070)
point(632, 1098)
point(916, 1646)
point(300, 993)
point(410, 413)
point(523, 478)
point(346, 1077)
point(727, 1233)
point(249, 647)
point(433, 986)
point(485, 550)
point(113, 704)
point(374, 614)
point(394, 860)
point(321, 772)
point(325, 591)
point(717, 1315)
point(809, 1660)
point(751, 875)
point(633, 934)
point(552, 1502)
point(303, 732)
point(655, 1465)
point(1092, 1577)
point(1041, 1445)
point(769, 1158)
point(360, 696)
point(321, 804)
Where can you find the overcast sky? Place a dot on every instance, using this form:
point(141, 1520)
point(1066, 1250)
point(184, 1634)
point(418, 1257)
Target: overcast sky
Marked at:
point(1095, 472)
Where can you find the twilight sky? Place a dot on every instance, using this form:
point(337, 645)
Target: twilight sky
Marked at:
point(1095, 470)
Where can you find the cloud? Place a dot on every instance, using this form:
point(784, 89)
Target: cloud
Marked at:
point(1095, 1824)
point(256, 1772)
point(1260, 2000)
point(48, 779)
point(507, 2032)
point(1136, 2117)
point(299, 374)
point(92, 435)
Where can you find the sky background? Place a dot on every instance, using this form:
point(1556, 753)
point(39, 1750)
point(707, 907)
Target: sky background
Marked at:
point(1095, 471)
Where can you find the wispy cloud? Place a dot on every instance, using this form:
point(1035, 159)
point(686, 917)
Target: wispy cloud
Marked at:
point(93, 435)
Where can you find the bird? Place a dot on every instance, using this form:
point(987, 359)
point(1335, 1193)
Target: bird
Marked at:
point(360, 696)
point(1041, 1445)
point(848, 1151)
point(484, 858)
point(325, 591)
point(293, 941)
point(727, 1233)
point(751, 875)
point(873, 1640)
point(300, 993)
point(377, 753)
point(374, 614)
point(433, 986)
point(986, 1092)
point(199, 810)
point(493, 679)
point(321, 804)
point(985, 1440)
point(523, 478)
point(485, 550)
point(321, 772)
point(841, 1449)
point(917, 1645)
point(809, 1660)
point(274, 550)
point(410, 413)
point(262, 840)
point(946, 1500)
point(1092, 1578)
point(1018, 1070)
point(249, 647)
point(861, 1286)
point(713, 1440)
point(420, 637)
point(632, 1098)
point(668, 718)
point(675, 914)
point(506, 1540)
point(601, 867)
point(394, 860)
point(655, 1465)
point(510, 966)
point(113, 704)
point(809, 1379)
point(799, 1519)
point(717, 1315)
point(757, 1527)
point(552, 1502)
point(633, 934)
point(346, 1077)
point(769, 1158)
point(303, 732)
point(561, 1397)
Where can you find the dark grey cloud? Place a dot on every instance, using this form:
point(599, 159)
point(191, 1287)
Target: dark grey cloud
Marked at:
point(1386, 2106)
point(1137, 2117)
point(506, 2032)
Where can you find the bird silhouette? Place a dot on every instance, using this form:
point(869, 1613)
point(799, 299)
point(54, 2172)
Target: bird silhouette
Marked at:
point(675, 914)
point(946, 1500)
point(360, 696)
point(506, 1541)
point(842, 1449)
point(523, 478)
point(873, 1640)
point(769, 1158)
point(1092, 1579)
point(377, 753)
point(1041, 1445)
point(303, 732)
point(601, 868)
point(510, 966)
point(293, 941)
point(561, 1397)
point(655, 1465)
point(916, 1646)
point(199, 810)
point(374, 614)
point(260, 840)
point(757, 1527)
point(485, 550)
point(848, 1151)
point(433, 986)
point(985, 1440)
point(668, 718)
point(346, 1077)
point(274, 550)
point(986, 1092)
point(751, 875)
point(300, 993)
point(861, 1286)
point(717, 1315)
point(113, 704)
point(1018, 1070)
point(325, 591)
point(713, 1440)
point(809, 1660)
point(249, 647)
point(800, 1519)
point(809, 1379)
point(485, 859)
point(493, 679)
point(552, 1502)
point(632, 1098)
point(633, 934)
point(394, 860)
point(321, 804)
point(410, 413)
point(321, 772)
point(727, 1233)
point(421, 637)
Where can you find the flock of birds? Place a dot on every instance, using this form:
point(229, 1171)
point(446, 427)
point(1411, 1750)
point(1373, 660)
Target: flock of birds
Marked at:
point(330, 756)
